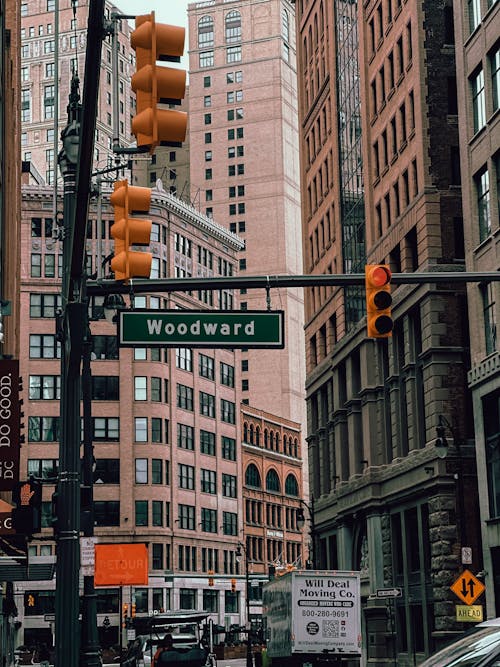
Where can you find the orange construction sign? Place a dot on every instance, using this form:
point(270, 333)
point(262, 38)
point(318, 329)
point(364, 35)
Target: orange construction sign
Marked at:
point(121, 564)
point(467, 587)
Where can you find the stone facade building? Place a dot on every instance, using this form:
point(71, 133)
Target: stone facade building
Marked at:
point(379, 150)
point(477, 50)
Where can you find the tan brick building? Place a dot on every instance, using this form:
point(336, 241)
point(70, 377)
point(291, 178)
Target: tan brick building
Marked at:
point(379, 150)
point(477, 49)
point(165, 424)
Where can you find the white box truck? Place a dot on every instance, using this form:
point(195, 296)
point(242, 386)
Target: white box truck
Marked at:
point(312, 617)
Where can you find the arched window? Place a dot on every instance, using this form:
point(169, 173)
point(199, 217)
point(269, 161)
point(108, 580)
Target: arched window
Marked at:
point(257, 436)
point(272, 481)
point(251, 434)
point(266, 438)
point(295, 447)
point(205, 32)
point(245, 432)
point(252, 476)
point(291, 486)
point(277, 442)
point(233, 27)
point(285, 25)
point(285, 445)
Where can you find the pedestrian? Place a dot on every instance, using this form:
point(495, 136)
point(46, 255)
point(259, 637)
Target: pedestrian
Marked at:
point(166, 644)
point(44, 656)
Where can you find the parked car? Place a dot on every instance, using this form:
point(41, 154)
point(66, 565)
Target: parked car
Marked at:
point(479, 647)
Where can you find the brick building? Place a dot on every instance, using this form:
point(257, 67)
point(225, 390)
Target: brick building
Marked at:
point(379, 151)
point(477, 50)
point(165, 425)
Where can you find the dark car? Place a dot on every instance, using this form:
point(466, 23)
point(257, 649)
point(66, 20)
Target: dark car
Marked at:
point(478, 648)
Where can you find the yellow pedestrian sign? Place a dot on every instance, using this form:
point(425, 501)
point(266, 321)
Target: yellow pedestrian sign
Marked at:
point(467, 587)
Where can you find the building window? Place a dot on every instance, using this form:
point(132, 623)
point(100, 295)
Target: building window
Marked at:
point(489, 317)
point(43, 429)
point(207, 404)
point(206, 59)
point(233, 27)
point(478, 100)
point(495, 77)
point(208, 481)
point(107, 512)
point(44, 305)
point(141, 429)
point(141, 471)
point(185, 436)
point(226, 374)
point(208, 520)
point(207, 81)
point(483, 203)
point(491, 415)
point(44, 346)
point(229, 523)
point(205, 32)
point(228, 411)
point(228, 446)
point(156, 471)
point(106, 429)
point(233, 54)
point(186, 476)
point(107, 471)
point(207, 443)
point(184, 358)
point(187, 520)
point(474, 9)
point(141, 512)
point(206, 366)
point(187, 598)
point(140, 388)
point(44, 387)
point(184, 397)
point(228, 485)
point(273, 482)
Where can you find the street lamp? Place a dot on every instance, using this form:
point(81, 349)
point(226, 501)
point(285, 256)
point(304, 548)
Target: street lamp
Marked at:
point(301, 520)
point(239, 557)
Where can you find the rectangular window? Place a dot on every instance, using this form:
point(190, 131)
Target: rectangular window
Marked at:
point(207, 404)
point(184, 397)
point(157, 512)
point(43, 429)
point(141, 512)
point(106, 429)
point(226, 374)
point(228, 448)
point(185, 436)
point(44, 346)
point(156, 471)
point(228, 485)
point(107, 471)
point(44, 305)
point(233, 54)
point(489, 317)
point(44, 468)
point(207, 443)
point(141, 429)
point(208, 481)
point(483, 203)
point(229, 523)
point(157, 553)
point(478, 100)
point(495, 77)
point(184, 358)
point(105, 388)
point(474, 9)
point(187, 518)
point(44, 387)
point(186, 476)
point(107, 512)
point(141, 471)
point(208, 520)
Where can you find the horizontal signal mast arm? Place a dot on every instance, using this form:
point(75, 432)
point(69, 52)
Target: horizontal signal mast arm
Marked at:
point(149, 285)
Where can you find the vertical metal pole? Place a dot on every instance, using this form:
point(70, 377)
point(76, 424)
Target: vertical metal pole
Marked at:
point(249, 625)
point(90, 650)
point(313, 534)
point(71, 336)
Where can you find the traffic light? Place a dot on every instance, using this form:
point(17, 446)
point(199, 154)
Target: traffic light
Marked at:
point(233, 585)
point(127, 231)
point(124, 614)
point(155, 84)
point(27, 517)
point(378, 300)
point(132, 610)
point(210, 577)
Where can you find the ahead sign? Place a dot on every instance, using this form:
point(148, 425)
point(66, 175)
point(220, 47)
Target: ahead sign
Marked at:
point(203, 328)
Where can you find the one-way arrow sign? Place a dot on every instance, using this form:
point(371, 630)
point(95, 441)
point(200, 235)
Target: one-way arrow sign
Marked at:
point(389, 592)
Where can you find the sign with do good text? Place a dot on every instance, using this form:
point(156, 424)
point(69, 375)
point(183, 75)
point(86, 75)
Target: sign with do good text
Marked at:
point(121, 565)
point(9, 424)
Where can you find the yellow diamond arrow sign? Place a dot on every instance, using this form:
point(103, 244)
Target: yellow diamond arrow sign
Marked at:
point(467, 587)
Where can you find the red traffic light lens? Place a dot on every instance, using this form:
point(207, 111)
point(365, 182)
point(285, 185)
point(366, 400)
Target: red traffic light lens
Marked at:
point(380, 276)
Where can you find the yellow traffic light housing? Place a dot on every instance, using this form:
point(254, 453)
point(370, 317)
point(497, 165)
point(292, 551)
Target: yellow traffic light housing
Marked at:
point(127, 231)
point(378, 300)
point(233, 585)
point(155, 84)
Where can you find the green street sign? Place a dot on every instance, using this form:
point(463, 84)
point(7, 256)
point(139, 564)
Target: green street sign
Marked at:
point(201, 328)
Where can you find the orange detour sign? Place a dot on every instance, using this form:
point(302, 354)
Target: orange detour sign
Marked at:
point(467, 587)
point(121, 564)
